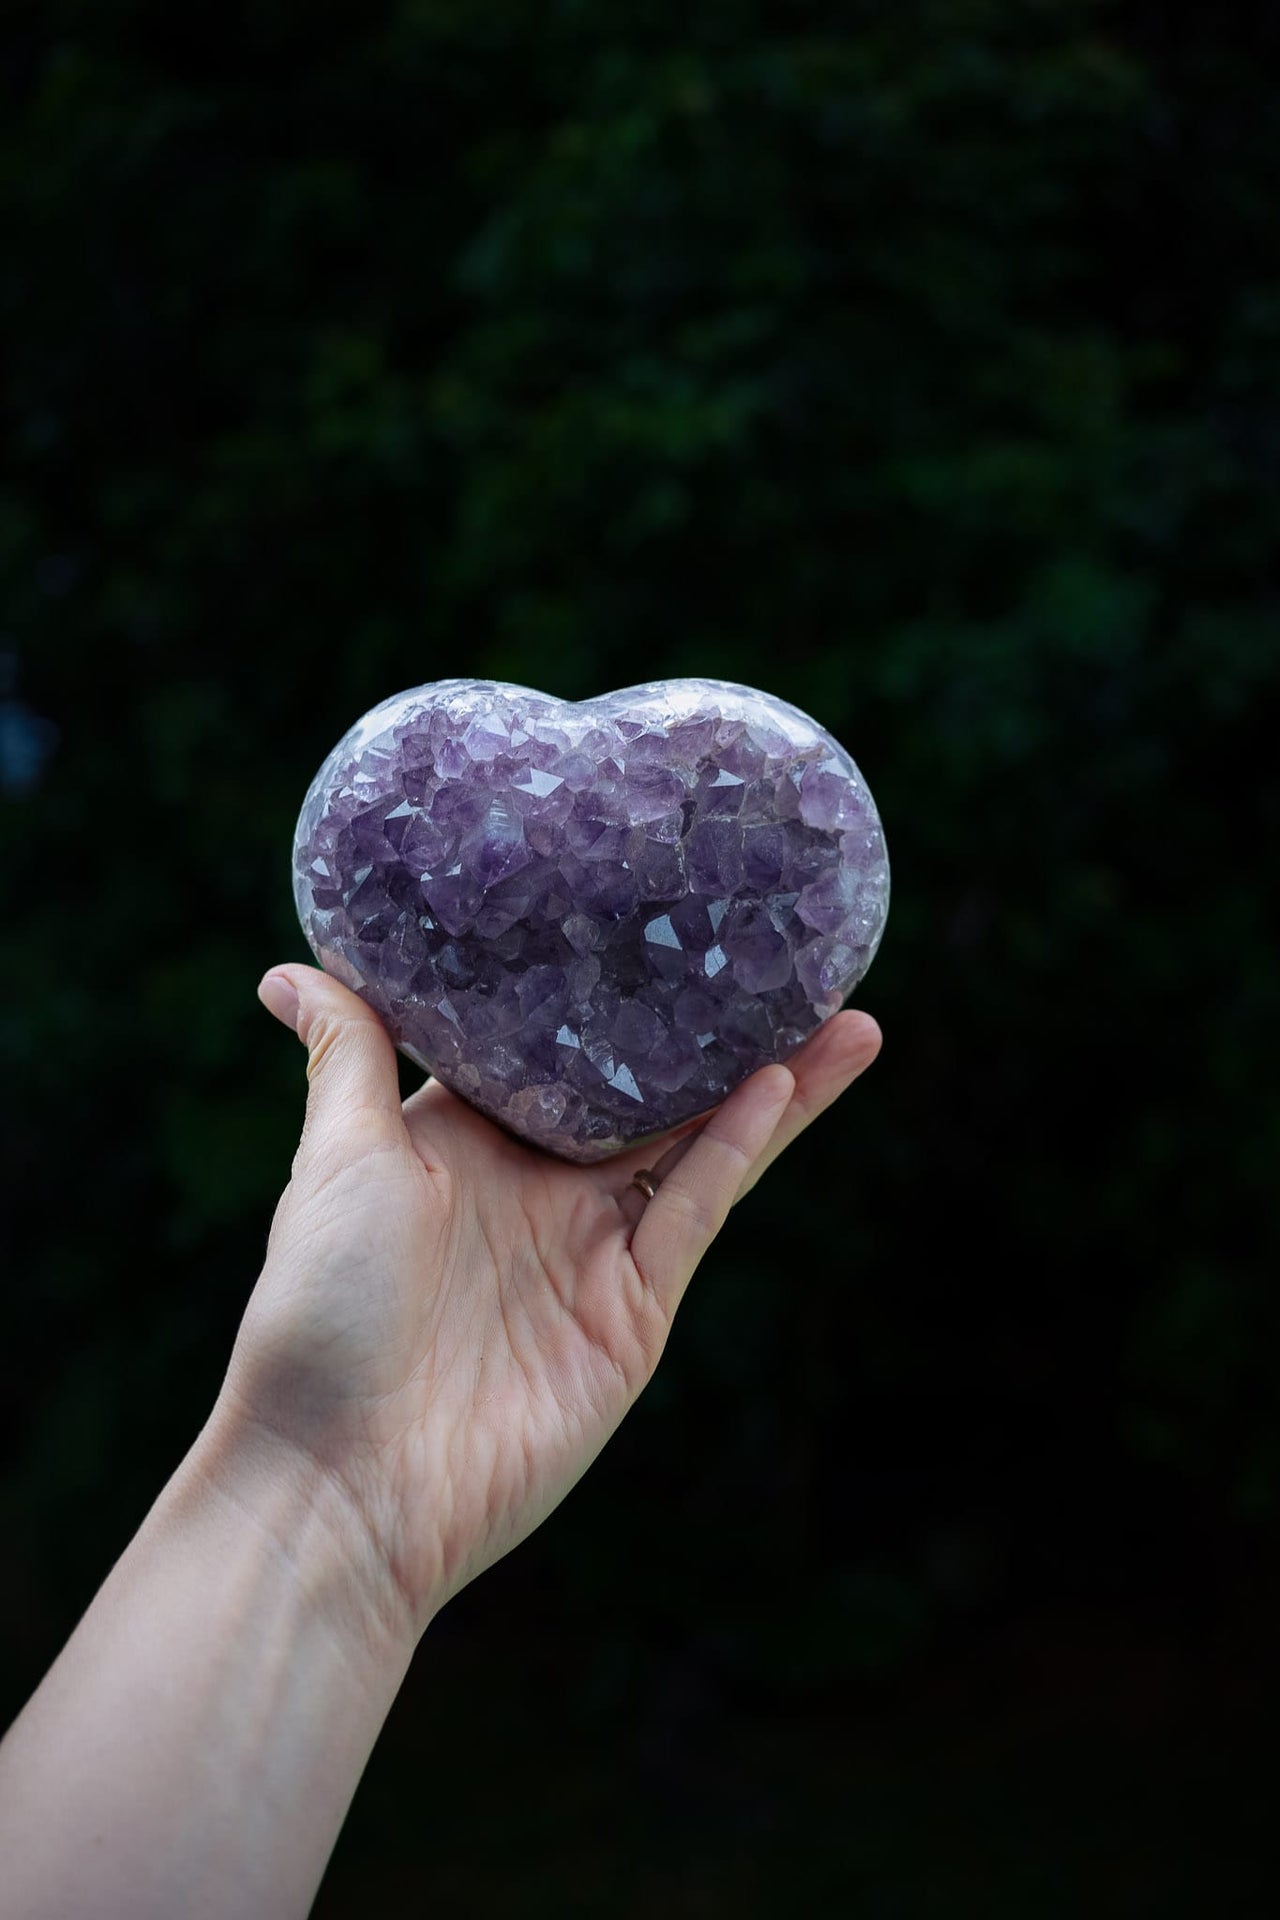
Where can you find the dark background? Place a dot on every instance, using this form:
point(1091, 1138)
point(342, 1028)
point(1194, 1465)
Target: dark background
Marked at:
point(917, 362)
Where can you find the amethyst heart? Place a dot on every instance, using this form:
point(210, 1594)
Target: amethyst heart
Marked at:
point(592, 921)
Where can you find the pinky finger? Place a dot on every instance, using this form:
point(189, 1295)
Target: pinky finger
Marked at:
point(691, 1205)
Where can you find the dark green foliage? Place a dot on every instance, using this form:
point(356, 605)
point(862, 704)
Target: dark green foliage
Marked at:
point(918, 363)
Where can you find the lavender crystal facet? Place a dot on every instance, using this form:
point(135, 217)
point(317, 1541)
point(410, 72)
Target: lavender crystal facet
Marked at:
point(592, 921)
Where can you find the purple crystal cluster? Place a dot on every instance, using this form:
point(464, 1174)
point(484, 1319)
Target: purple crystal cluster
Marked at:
point(592, 921)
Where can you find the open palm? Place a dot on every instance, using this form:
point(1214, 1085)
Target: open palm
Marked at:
point(450, 1323)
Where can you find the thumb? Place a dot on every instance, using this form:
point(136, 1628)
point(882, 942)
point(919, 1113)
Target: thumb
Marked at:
point(351, 1062)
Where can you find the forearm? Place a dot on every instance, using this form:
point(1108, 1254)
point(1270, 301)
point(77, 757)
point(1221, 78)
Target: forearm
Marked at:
point(196, 1746)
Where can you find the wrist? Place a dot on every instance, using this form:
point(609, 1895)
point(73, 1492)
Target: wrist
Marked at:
point(309, 1518)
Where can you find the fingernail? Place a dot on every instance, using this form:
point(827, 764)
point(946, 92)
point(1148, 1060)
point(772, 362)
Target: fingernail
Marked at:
point(280, 996)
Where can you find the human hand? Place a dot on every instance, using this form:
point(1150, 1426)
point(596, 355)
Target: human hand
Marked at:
point(450, 1324)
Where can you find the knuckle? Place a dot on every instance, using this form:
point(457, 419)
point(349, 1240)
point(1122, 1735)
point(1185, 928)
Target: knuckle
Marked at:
point(739, 1159)
point(323, 1035)
point(693, 1207)
point(329, 1033)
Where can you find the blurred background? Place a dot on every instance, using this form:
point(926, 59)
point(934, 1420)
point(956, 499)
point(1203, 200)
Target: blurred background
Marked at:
point(918, 363)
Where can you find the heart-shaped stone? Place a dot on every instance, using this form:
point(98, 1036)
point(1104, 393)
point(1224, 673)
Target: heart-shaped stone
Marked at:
point(592, 921)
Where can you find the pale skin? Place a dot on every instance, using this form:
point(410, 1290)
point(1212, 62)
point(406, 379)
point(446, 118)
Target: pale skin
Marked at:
point(447, 1328)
